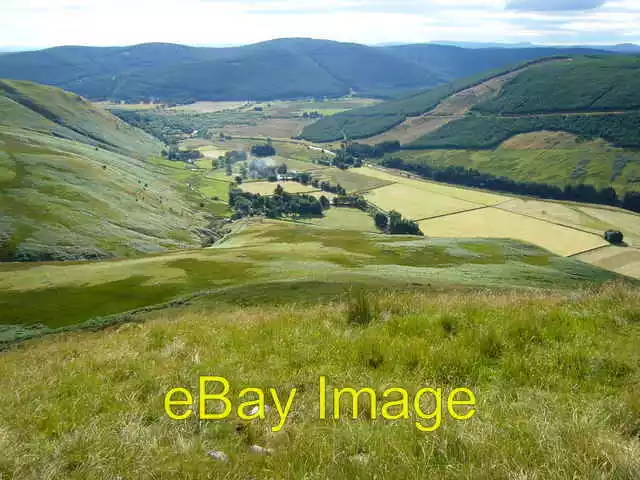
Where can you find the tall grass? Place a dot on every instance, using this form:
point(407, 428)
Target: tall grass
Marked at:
point(556, 377)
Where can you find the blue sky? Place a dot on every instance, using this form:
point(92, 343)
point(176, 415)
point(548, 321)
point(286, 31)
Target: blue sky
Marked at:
point(42, 23)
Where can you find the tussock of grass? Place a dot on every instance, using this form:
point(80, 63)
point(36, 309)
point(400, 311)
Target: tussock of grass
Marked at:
point(556, 377)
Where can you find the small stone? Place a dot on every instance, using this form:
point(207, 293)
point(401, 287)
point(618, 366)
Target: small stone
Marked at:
point(258, 450)
point(218, 455)
point(256, 409)
point(362, 458)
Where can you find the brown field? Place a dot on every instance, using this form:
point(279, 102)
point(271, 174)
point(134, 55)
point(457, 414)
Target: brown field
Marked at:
point(622, 260)
point(494, 223)
point(271, 127)
point(208, 107)
point(415, 203)
point(267, 188)
point(124, 106)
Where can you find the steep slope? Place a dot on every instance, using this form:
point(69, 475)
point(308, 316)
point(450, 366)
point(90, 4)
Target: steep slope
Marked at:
point(283, 68)
point(76, 182)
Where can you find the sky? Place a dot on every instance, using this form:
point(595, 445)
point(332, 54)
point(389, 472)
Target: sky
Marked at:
point(45, 23)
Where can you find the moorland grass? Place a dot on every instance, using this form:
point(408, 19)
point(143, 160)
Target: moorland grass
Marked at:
point(74, 294)
point(555, 375)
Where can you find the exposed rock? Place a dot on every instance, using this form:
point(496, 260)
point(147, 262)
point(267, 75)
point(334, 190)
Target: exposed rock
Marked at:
point(362, 458)
point(258, 450)
point(218, 455)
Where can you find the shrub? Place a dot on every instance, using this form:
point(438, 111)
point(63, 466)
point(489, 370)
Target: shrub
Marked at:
point(359, 311)
point(613, 236)
point(382, 221)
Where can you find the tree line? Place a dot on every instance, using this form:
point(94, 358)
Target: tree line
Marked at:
point(459, 175)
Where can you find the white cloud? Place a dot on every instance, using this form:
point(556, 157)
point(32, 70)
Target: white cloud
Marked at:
point(123, 22)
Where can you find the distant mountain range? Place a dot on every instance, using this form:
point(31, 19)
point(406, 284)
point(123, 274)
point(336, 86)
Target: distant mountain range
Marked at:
point(284, 68)
point(624, 47)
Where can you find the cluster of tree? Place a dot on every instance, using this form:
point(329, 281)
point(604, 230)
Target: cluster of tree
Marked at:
point(174, 153)
point(278, 205)
point(470, 177)
point(326, 186)
point(352, 154)
point(265, 150)
point(353, 201)
point(312, 115)
point(396, 224)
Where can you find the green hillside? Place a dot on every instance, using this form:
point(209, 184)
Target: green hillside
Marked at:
point(77, 182)
point(276, 69)
point(489, 131)
point(263, 257)
point(553, 373)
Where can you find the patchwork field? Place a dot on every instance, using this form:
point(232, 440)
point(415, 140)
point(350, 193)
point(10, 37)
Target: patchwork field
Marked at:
point(415, 203)
point(560, 213)
point(494, 223)
point(466, 194)
point(352, 180)
point(269, 128)
point(627, 222)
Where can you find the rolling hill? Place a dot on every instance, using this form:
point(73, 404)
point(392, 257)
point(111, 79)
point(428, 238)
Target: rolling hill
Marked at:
point(277, 69)
point(592, 100)
point(77, 182)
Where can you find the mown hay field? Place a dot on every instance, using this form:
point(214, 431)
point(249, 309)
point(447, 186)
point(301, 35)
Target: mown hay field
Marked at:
point(416, 204)
point(467, 194)
point(623, 260)
point(495, 223)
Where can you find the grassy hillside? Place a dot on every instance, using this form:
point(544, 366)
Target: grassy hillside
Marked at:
point(77, 182)
point(285, 68)
point(555, 377)
point(475, 132)
point(260, 258)
point(554, 158)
